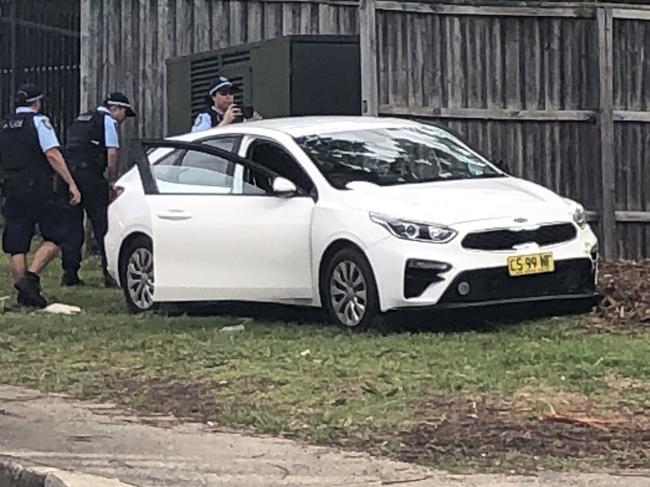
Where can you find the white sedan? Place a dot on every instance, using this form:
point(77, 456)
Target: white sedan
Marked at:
point(358, 215)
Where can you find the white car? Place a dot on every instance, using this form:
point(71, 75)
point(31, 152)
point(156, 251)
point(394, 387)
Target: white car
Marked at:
point(358, 215)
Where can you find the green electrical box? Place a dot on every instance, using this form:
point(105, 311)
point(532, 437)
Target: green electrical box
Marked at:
point(286, 76)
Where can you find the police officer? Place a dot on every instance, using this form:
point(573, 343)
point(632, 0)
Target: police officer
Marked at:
point(222, 110)
point(29, 156)
point(91, 149)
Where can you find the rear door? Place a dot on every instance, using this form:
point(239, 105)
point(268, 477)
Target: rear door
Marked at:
point(214, 240)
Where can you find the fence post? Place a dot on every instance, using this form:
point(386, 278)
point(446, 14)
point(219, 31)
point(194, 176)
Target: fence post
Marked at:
point(86, 93)
point(12, 51)
point(368, 48)
point(606, 124)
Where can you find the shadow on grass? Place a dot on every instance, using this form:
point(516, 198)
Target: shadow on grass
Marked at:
point(486, 319)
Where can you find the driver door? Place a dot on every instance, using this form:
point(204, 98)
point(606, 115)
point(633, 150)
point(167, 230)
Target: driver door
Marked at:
point(214, 240)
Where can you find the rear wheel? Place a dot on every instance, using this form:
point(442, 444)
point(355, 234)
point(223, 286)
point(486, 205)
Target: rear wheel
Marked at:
point(136, 275)
point(349, 291)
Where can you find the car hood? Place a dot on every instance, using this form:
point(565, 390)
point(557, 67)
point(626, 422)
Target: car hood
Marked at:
point(460, 201)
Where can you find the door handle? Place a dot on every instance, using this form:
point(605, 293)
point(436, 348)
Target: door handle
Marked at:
point(174, 215)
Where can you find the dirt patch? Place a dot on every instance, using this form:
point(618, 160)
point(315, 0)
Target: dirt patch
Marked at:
point(489, 430)
point(181, 399)
point(625, 286)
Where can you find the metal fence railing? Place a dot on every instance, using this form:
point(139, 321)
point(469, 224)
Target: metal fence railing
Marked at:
point(41, 44)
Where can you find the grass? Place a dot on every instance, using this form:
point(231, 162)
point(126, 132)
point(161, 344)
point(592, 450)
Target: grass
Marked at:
point(302, 378)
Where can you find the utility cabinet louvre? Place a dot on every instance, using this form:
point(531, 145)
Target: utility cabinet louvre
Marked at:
point(286, 76)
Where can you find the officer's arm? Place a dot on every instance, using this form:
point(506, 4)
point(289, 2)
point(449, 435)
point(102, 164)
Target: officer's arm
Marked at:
point(111, 160)
point(50, 146)
point(55, 158)
point(112, 142)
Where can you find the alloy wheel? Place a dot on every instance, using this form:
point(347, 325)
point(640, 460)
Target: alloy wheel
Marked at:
point(139, 278)
point(348, 293)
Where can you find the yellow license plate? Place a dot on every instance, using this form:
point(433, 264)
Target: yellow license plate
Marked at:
point(522, 265)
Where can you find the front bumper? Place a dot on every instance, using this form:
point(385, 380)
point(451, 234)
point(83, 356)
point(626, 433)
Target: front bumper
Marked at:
point(571, 277)
point(478, 278)
point(590, 299)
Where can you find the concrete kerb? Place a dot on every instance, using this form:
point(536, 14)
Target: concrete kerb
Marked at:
point(14, 474)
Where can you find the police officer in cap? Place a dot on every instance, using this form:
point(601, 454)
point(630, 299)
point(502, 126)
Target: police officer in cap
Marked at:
point(222, 110)
point(91, 150)
point(29, 157)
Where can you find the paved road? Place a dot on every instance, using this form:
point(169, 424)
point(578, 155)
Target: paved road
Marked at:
point(100, 439)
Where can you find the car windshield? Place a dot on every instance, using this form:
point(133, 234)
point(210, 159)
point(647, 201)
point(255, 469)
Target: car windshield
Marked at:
point(389, 156)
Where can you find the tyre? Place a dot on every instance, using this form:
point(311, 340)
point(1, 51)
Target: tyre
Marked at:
point(136, 275)
point(349, 291)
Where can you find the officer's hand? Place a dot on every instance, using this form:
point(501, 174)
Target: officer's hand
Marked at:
point(231, 114)
point(75, 195)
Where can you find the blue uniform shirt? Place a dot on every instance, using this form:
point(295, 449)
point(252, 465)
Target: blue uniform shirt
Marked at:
point(110, 129)
point(202, 122)
point(46, 136)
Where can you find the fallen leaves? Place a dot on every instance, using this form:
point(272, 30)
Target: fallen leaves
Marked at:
point(625, 286)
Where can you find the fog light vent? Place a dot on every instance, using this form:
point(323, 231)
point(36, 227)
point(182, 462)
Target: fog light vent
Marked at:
point(419, 274)
point(464, 288)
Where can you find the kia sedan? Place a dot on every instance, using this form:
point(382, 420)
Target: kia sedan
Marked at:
point(357, 215)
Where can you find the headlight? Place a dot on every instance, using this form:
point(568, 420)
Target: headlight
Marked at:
point(410, 230)
point(580, 216)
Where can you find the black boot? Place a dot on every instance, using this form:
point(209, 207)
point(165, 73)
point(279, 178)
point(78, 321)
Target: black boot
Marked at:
point(71, 279)
point(29, 291)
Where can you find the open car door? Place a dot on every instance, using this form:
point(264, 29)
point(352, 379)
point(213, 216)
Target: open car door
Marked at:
point(215, 238)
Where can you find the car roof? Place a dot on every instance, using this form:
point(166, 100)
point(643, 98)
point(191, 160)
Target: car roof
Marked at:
point(301, 126)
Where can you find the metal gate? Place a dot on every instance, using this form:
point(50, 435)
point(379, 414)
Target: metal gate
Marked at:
point(41, 44)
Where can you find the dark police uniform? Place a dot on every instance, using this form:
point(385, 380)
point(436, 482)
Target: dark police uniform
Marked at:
point(28, 192)
point(89, 136)
point(211, 117)
point(28, 181)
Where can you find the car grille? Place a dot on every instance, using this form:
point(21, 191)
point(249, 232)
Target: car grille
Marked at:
point(573, 276)
point(507, 239)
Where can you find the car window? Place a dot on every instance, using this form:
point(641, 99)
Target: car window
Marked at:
point(225, 143)
point(196, 172)
point(166, 168)
point(192, 172)
point(277, 159)
point(201, 169)
point(389, 156)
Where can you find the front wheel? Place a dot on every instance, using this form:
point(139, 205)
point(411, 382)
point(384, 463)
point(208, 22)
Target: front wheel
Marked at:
point(136, 275)
point(349, 291)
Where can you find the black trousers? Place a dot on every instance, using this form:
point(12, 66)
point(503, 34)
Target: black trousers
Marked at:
point(94, 201)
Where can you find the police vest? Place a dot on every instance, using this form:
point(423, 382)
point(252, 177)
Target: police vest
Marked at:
point(86, 145)
point(215, 118)
point(20, 152)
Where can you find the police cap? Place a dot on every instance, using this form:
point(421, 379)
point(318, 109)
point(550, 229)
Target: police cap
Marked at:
point(28, 94)
point(222, 84)
point(120, 100)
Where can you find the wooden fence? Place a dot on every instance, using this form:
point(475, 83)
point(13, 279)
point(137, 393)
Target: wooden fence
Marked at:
point(559, 91)
point(125, 42)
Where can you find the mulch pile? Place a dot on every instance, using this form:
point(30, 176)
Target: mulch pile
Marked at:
point(490, 429)
point(625, 286)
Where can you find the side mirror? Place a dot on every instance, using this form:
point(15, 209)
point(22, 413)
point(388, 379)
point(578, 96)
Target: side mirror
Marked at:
point(283, 187)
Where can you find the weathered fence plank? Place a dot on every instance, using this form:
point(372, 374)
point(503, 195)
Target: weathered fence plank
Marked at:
point(368, 40)
point(607, 162)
